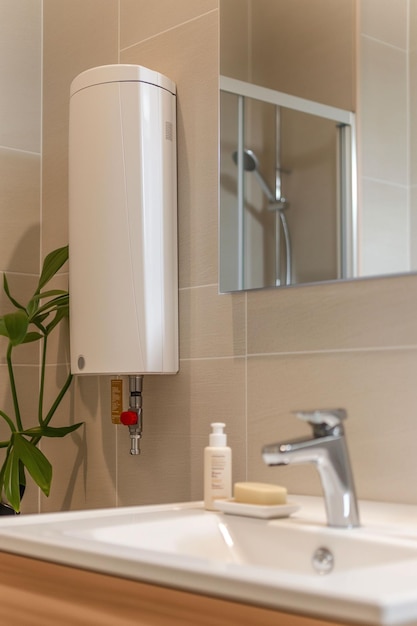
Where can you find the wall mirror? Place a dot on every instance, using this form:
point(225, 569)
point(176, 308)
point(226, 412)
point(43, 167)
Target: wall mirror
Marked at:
point(309, 190)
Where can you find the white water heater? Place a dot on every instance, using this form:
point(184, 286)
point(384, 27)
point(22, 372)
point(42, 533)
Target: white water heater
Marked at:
point(123, 277)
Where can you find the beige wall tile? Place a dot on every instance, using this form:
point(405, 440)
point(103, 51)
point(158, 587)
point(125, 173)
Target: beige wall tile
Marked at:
point(141, 19)
point(217, 394)
point(383, 107)
point(234, 39)
point(84, 462)
point(19, 207)
point(177, 412)
point(162, 471)
point(166, 405)
point(338, 316)
point(20, 74)
point(306, 49)
point(78, 34)
point(298, 60)
point(384, 229)
point(385, 20)
point(189, 56)
point(376, 388)
point(211, 326)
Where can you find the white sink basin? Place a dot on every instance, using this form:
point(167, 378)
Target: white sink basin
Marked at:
point(372, 577)
point(229, 539)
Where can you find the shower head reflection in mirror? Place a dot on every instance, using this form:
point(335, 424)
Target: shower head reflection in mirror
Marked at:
point(275, 203)
point(296, 150)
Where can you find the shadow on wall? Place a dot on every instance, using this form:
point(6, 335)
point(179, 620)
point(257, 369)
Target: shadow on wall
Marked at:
point(27, 250)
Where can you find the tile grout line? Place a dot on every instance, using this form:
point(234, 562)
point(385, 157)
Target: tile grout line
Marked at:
point(167, 30)
point(408, 348)
point(192, 287)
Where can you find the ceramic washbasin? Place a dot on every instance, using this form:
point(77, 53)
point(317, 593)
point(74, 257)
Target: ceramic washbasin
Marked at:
point(286, 547)
point(371, 579)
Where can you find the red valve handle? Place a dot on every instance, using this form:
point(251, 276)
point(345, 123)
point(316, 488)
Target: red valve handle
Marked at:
point(128, 418)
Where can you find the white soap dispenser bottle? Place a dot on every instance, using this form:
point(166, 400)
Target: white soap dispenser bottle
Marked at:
point(217, 467)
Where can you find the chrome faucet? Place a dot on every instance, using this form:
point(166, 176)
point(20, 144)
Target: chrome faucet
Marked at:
point(328, 451)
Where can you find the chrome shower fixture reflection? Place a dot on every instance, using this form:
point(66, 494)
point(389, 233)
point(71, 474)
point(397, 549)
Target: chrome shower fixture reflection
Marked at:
point(251, 164)
point(276, 202)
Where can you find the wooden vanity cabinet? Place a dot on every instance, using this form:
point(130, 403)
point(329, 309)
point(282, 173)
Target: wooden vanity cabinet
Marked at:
point(40, 593)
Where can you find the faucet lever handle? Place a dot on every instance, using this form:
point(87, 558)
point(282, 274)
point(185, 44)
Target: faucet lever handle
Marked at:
point(323, 419)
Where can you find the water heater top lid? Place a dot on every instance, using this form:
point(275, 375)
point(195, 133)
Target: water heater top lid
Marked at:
point(120, 73)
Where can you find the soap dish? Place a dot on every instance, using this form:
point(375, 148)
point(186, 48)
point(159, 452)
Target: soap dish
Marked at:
point(266, 511)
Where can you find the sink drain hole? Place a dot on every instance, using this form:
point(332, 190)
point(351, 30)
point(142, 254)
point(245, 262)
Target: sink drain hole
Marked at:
point(323, 561)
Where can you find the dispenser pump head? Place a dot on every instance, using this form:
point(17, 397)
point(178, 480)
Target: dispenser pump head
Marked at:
point(217, 438)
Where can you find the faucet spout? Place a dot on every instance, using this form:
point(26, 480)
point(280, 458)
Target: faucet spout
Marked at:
point(327, 450)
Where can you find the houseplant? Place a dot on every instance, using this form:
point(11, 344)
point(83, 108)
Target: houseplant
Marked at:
point(28, 323)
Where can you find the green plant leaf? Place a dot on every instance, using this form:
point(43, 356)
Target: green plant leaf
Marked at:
point(60, 315)
point(30, 337)
point(8, 421)
point(3, 468)
point(35, 462)
point(51, 431)
point(49, 294)
point(22, 479)
point(37, 321)
point(52, 263)
point(3, 328)
point(7, 292)
point(57, 303)
point(11, 480)
point(60, 308)
point(44, 311)
point(32, 307)
point(14, 326)
point(33, 304)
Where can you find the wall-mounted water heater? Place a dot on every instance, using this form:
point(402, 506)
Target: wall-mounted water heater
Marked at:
point(123, 277)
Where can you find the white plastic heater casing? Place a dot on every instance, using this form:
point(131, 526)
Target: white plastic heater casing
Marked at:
point(123, 276)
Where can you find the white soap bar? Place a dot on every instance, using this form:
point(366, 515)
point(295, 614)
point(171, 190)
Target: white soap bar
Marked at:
point(259, 493)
